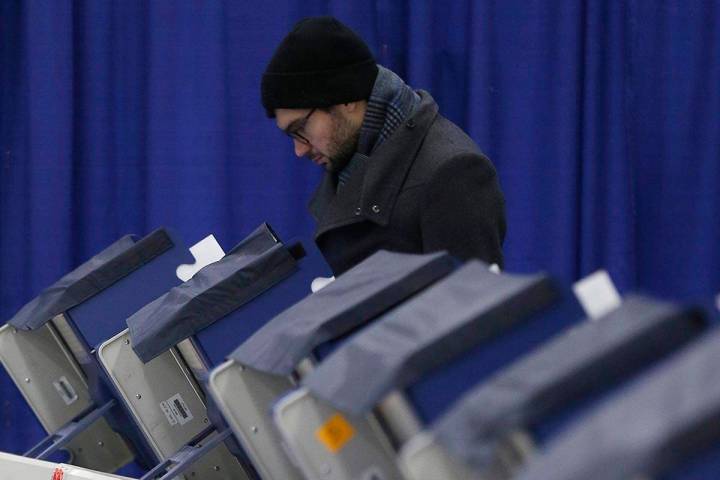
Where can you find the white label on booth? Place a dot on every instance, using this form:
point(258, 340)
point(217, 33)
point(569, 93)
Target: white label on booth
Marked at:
point(65, 390)
point(176, 410)
point(165, 407)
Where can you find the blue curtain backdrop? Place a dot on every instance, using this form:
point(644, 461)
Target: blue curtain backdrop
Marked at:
point(602, 118)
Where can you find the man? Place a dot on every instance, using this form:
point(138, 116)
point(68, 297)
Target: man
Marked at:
point(399, 176)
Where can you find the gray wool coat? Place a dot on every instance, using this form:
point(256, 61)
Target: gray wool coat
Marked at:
point(426, 188)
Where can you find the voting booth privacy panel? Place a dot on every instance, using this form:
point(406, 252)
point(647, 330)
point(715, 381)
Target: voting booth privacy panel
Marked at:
point(49, 350)
point(501, 424)
point(430, 348)
point(270, 363)
point(49, 346)
point(405, 367)
point(669, 431)
point(254, 282)
point(214, 310)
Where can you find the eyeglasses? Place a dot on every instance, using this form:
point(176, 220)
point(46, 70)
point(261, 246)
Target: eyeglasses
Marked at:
point(294, 130)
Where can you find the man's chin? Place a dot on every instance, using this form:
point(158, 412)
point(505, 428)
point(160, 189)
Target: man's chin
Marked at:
point(331, 166)
point(335, 164)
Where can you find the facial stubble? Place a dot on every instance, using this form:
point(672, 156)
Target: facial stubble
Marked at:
point(343, 142)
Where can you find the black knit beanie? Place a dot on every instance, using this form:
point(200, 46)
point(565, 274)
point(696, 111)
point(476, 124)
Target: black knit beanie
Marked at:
point(320, 63)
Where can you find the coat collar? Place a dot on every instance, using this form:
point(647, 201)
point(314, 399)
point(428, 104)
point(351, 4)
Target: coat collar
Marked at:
point(371, 191)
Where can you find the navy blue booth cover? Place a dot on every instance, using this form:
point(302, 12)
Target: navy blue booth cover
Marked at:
point(581, 361)
point(651, 428)
point(365, 291)
point(249, 269)
point(97, 274)
point(95, 299)
point(465, 309)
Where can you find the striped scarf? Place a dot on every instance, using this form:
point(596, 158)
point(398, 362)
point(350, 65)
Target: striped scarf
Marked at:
point(391, 102)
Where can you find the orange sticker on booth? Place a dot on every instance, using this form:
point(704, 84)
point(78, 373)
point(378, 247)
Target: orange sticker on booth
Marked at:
point(335, 433)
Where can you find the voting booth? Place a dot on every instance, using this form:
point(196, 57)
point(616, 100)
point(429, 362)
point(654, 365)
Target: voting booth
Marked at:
point(276, 357)
point(48, 349)
point(159, 364)
point(346, 420)
point(664, 426)
point(497, 426)
point(413, 367)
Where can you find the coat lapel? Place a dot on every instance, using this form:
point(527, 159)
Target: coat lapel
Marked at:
point(332, 209)
point(371, 191)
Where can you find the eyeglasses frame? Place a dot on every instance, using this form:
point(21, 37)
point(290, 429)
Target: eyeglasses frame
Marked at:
point(295, 132)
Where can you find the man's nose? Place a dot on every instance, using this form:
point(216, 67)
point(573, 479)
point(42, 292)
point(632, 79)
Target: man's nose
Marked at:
point(301, 149)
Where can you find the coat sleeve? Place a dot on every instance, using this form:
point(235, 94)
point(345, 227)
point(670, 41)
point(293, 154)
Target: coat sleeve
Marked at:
point(463, 210)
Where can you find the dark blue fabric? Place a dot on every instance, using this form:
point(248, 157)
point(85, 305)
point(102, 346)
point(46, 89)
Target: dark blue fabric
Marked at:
point(576, 364)
point(255, 265)
point(354, 299)
point(121, 116)
point(649, 427)
point(464, 311)
point(99, 273)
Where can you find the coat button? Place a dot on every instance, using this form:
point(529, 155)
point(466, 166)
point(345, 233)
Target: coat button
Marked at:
point(410, 124)
point(357, 211)
point(375, 209)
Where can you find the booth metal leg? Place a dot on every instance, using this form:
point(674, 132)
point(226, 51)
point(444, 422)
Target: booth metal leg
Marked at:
point(55, 441)
point(186, 457)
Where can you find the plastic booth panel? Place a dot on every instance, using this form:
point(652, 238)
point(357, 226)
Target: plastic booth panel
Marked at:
point(432, 348)
point(498, 425)
point(328, 445)
point(243, 396)
point(167, 404)
point(266, 365)
point(174, 340)
point(423, 457)
point(47, 375)
point(664, 426)
point(66, 321)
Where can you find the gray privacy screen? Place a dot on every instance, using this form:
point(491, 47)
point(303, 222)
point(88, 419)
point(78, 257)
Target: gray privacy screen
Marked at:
point(100, 272)
point(253, 266)
point(650, 427)
point(354, 298)
point(464, 309)
point(589, 356)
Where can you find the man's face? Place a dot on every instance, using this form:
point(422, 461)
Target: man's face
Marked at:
point(328, 137)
